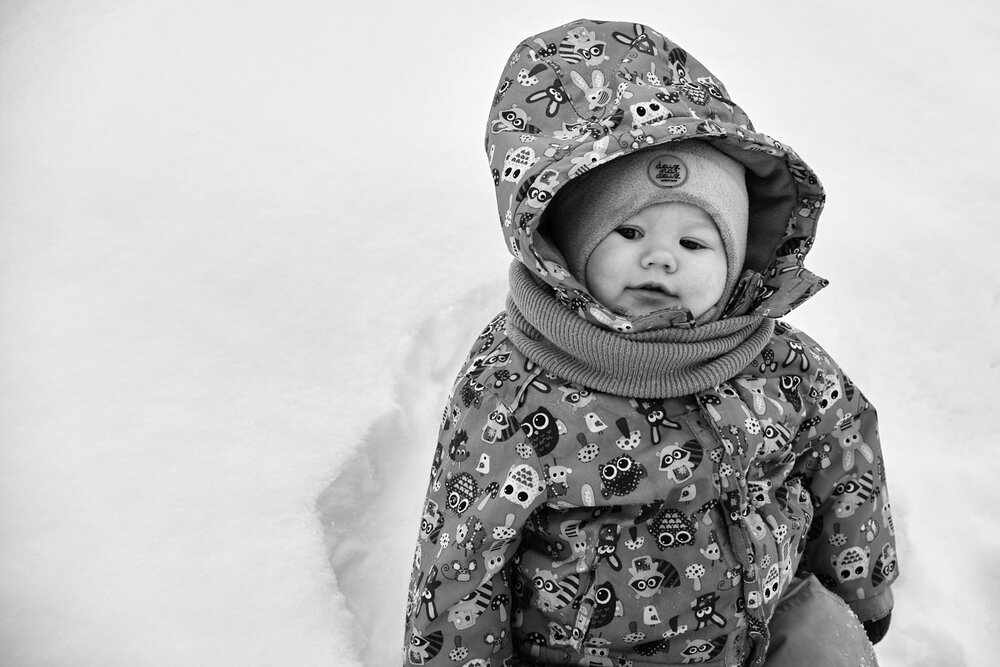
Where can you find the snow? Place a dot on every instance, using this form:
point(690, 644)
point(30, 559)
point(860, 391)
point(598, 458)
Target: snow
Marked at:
point(246, 244)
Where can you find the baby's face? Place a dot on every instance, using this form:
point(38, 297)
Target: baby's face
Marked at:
point(667, 254)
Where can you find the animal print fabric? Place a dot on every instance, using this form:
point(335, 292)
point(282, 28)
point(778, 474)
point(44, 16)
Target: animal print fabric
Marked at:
point(575, 97)
point(566, 526)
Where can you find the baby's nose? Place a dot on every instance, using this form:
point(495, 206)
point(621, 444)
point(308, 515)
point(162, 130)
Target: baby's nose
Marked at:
point(659, 256)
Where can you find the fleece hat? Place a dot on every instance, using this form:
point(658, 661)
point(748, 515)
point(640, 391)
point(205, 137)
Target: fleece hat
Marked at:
point(593, 205)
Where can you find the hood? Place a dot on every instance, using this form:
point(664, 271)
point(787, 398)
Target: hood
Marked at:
point(578, 96)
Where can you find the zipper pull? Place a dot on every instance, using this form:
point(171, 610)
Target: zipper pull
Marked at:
point(583, 617)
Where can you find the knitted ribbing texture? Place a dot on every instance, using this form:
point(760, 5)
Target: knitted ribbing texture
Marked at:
point(661, 363)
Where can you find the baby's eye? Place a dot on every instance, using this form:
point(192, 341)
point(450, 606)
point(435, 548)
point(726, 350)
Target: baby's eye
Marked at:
point(691, 244)
point(631, 233)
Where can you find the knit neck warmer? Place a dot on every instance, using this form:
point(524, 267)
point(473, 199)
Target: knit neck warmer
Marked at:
point(662, 363)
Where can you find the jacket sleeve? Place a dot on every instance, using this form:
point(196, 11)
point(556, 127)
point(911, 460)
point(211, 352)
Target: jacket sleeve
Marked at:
point(851, 544)
point(483, 488)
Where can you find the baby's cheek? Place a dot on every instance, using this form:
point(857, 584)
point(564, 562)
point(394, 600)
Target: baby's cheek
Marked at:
point(713, 276)
point(605, 280)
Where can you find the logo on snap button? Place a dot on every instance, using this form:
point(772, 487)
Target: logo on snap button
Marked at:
point(667, 171)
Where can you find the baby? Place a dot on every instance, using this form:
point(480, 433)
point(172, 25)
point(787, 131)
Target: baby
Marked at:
point(639, 464)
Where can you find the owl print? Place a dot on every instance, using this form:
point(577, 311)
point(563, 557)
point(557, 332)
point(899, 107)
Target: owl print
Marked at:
point(620, 476)
point(462, 490)
point(606, 605)
point(671, 528)
point(522, 486)
point(542, 430)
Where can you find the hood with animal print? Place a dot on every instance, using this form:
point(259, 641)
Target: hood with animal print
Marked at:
point(575, 97)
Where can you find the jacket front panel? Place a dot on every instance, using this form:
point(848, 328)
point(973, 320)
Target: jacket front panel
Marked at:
point(567, 526)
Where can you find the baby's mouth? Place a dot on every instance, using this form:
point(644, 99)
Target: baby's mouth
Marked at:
point(653, 289)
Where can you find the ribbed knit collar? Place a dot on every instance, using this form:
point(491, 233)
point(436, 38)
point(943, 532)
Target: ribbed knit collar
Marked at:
point(661, 363)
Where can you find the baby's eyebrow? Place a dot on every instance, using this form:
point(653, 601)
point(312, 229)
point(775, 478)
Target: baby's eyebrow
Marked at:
point(704, 227)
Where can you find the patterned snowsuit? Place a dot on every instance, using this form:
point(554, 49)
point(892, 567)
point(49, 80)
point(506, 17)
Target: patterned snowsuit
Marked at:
point(565, 525)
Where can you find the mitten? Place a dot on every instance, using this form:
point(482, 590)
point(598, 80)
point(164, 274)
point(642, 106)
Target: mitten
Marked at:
point(876, 628)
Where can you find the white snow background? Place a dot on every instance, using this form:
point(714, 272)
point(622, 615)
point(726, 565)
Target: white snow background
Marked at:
point(244, 246)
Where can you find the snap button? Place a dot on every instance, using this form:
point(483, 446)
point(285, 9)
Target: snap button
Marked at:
point(667, 171)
